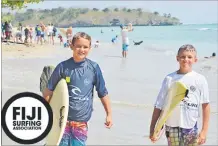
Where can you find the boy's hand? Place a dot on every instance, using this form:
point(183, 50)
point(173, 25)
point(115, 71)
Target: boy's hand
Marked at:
point(153, 139)
point(108, 123)
point(201, 138)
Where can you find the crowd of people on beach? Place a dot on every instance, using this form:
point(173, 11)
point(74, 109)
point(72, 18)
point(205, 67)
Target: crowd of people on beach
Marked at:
point(30, 34)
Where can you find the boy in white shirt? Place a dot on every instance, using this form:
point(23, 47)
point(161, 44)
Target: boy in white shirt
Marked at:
point(181, 126)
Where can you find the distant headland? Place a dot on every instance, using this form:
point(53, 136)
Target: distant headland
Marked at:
point(85, 17)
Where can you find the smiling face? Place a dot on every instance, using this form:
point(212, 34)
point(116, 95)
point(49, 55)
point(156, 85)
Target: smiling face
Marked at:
point(186, 58)
point(81, 48)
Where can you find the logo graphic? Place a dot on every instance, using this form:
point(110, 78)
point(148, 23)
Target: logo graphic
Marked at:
point(75, 90)
point(27, 118)
point(76, 93)
point(192, 88)
point(61, 116)
point(86, 81)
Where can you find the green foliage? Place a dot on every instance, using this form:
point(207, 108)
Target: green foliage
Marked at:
point(95, 9)
point(129, 10)
point(84, 11)
point(17, 4)
point(124, 9)
point(106, 10)
point(116, 9)
point(85, 17)
point(7, 17)
point(41, 17)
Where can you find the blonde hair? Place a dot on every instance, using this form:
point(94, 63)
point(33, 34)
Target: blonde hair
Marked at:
point(81, 35)
point(187, 47)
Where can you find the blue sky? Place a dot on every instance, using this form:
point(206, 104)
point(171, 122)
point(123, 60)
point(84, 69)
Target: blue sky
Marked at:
point(189, 12)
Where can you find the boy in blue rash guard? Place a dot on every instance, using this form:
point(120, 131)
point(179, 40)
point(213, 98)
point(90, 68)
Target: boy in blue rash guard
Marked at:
point(81, 75)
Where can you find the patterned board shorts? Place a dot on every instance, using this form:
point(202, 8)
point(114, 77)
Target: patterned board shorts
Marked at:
point(181, 137)
point(75, 134)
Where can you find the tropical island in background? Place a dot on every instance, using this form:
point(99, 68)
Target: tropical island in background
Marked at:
point(85, 17)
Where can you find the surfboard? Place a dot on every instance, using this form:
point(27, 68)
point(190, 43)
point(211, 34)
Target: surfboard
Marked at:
point(177, 92)
point(60, 105)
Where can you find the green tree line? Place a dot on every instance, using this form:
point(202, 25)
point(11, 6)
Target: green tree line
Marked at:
point(64, 17)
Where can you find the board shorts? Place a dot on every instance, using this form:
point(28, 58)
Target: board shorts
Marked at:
point(54, 34)
point(7, 33)
point(50, 33)
point(75, 134)
point(42, 35)
point(38, 33)
point(182, 137)
point(125, 47)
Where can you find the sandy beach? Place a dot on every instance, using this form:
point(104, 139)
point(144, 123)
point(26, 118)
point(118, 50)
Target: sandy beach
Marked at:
point(133, 85)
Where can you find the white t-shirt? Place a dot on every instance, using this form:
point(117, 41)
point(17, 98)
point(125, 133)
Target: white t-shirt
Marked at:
point(186, 114)
point(124, 35)
point(50, 29)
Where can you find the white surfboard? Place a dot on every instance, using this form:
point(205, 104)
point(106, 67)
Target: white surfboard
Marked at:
point(60, 106)
point(176, 94)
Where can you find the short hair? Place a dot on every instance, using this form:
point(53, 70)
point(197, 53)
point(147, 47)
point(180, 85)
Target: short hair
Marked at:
point(186, 47)
point(81, 35)
point(213, 54)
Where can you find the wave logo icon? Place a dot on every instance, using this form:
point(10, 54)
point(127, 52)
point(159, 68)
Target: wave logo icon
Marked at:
point(76, 91)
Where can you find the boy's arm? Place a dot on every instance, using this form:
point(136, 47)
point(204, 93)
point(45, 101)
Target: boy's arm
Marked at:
point(205, 112)
point(103, 95)
point(106, 103)
point(107, 107)
point(155, 117)
point(52, 82)
point(130, 27)
point(47, 94)
point(158, 106)
point(206, 115)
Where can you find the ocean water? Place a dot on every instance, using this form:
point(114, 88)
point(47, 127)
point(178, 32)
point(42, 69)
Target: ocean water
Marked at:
point(203, 36)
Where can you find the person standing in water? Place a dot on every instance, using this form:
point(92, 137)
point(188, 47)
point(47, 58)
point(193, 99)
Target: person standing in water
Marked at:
point(125, 38)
